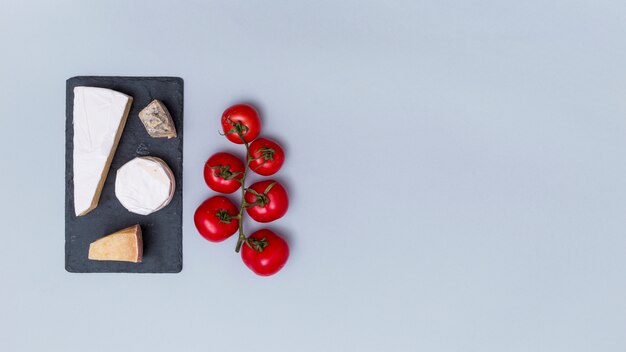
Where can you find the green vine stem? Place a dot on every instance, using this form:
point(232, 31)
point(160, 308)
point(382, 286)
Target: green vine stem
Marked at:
point(242, 236)
point(267, 154)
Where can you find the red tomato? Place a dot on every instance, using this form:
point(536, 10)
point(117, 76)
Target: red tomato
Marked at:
point(215, 220)
point(244, 118)
point(265, 252)
point(271, 202)
point(223, 172)
point(267, 156)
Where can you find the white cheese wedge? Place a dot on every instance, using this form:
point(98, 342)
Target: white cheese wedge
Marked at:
point(124, 245)
point(99, 118)
point(145, 185)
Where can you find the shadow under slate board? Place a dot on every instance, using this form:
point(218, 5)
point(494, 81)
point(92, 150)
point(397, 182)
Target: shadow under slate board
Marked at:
point(162, 230)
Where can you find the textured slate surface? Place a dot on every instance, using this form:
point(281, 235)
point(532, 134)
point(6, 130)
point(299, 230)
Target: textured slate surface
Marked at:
point(162, 231)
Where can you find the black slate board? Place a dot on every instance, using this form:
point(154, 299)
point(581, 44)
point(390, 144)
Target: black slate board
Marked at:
point(162, 231)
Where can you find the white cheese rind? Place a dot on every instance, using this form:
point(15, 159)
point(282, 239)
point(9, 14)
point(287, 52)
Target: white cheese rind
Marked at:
point(170, 174)
point(99, 118)
point(144, 185)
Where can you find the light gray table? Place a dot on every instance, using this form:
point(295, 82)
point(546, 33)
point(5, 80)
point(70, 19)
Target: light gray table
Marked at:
point(456, 171)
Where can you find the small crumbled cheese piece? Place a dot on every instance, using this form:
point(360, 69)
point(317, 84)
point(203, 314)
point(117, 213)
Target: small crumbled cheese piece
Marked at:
point(125, 245)
point(145, 185)
point(157, 120)
point(99, 118)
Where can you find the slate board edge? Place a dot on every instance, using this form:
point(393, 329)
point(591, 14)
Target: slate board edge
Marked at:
point(69, 170)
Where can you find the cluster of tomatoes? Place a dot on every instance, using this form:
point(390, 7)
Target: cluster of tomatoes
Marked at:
point(218, 218)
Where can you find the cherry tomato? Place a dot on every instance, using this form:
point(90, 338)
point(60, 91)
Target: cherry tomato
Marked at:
point(215, 220)
point(223, 172)
point(243, 117)
point(267, 156)
point(265, 252)
point(270, 199)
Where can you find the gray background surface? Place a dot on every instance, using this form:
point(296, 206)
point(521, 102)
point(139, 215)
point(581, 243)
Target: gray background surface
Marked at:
point(456, 171)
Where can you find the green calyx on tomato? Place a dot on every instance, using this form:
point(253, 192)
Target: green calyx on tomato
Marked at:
point(256, 244)
point(224, 172)
point(223, 216)
point(261, 198)
point(267, 153)
point(238, 127)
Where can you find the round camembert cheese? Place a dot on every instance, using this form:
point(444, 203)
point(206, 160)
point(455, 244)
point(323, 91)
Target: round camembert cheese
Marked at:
point(145, 185)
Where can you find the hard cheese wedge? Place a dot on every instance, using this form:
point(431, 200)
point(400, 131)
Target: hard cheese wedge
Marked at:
point(99, 118)
point(125, 245)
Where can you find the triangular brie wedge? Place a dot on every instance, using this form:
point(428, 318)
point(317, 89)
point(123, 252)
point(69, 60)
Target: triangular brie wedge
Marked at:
point(99, 118)
point(125, 245)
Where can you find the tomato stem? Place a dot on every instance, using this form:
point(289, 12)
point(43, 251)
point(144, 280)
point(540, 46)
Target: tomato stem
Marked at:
point(242, 236)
